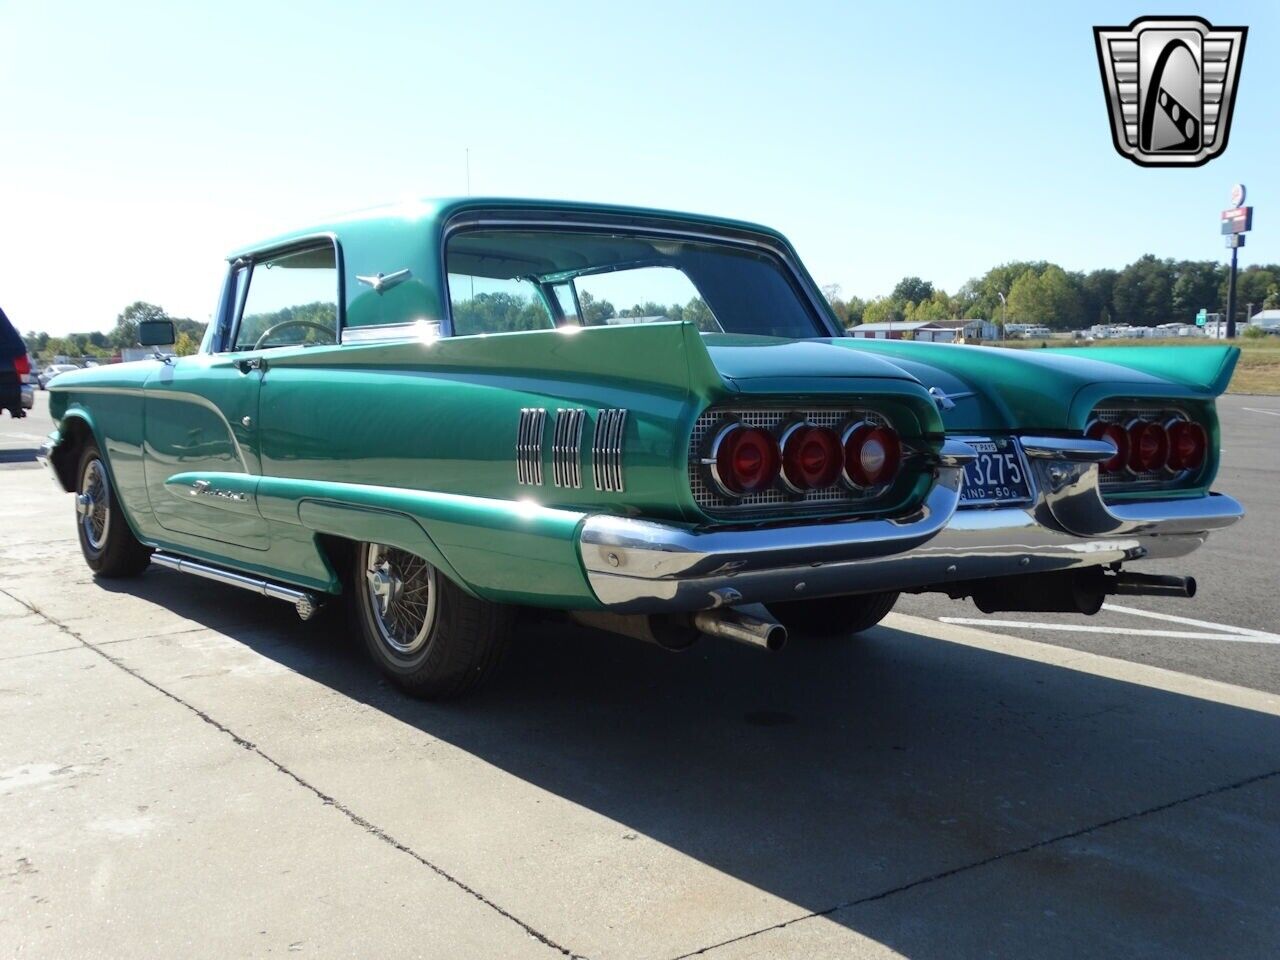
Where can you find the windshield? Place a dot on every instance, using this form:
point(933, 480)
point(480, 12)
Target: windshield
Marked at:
point(503, 280)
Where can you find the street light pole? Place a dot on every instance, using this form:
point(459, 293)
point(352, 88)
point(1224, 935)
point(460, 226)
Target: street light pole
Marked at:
point(1001, 296)
point(1231, 298)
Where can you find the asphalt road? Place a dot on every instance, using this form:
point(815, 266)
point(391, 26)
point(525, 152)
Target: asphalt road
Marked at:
point(188, 770)
point(1237, 572)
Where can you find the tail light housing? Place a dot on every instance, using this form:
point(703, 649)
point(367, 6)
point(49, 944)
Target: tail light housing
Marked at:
point(1160, 445)
point(1188, 445)
point(812, 457)
point(1148, 446)
point(1119, 438)
point(772, 460)
point(872, 455)
point(21, 365)
point(744, 459)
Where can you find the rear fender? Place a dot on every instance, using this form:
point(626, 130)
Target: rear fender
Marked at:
point(500, 550)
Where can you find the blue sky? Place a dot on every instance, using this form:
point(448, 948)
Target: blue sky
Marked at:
point(143, 141)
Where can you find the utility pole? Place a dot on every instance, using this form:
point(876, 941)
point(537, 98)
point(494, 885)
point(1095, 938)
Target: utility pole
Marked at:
point(1236, 222)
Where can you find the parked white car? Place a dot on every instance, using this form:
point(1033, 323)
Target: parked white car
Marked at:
point(51, 371)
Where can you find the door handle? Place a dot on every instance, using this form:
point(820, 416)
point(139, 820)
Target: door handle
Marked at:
point(250, 363)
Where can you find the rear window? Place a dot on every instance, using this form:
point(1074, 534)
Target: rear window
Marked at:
point(509, 279)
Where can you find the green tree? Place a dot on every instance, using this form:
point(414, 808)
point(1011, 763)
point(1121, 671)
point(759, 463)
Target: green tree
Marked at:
point(1049, 299)
point(1195, 287)
point(1143, 292)
point(125, 333)
point(912, 290)
point(883, 310)
point(595, 311)
point(185, 345)
point(1097, 295)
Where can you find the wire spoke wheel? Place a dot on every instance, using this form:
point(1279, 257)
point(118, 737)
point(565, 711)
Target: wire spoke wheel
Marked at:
point(93, 504)
point(402, 593)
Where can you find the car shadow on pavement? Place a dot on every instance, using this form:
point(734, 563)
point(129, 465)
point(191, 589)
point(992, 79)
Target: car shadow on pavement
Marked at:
point(937, 798)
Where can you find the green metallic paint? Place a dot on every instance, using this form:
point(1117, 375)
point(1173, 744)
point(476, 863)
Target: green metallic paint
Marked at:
point(412, 442)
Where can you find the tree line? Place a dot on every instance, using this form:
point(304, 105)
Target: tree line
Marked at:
point(124, 334)
point(1147, 292)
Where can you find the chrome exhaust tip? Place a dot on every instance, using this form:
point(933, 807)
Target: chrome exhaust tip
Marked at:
point(735, 625)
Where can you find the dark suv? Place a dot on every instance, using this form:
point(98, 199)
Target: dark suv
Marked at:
point(14, 367)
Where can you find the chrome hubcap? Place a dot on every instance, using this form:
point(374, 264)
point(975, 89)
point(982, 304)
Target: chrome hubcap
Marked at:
point(91, 504)
point(402, 597)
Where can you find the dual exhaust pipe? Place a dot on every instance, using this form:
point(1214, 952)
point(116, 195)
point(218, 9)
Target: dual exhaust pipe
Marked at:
point(1080, 591)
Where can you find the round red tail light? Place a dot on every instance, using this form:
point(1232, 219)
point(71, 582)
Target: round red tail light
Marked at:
point(1148, 446)
point(1119, 437)
point(1188, 444)
point(746, 460)
point(872, 455)
point(811, 457)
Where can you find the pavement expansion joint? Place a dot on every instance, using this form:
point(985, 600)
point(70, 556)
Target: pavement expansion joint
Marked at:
point(995, 858)
point(325, 798)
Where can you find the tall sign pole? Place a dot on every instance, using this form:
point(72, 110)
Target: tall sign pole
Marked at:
point(1236, 222)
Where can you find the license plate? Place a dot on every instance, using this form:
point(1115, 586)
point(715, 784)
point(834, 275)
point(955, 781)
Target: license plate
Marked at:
point(998, 475)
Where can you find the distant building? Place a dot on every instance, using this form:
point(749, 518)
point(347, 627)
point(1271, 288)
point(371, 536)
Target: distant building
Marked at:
point(1268, 320)
point(953, 330)
point(895, 331)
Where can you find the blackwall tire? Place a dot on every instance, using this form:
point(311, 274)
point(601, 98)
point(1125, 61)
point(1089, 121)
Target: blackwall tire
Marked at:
point(428, 636)
point(109, 546)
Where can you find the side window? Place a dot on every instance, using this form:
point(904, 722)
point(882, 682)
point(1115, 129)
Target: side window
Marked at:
point(292, 300)
point(567, 302)
point(495, 305)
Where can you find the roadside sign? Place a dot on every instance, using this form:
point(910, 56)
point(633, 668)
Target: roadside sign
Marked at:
point(1237, 220)
point(1235, 240)
point(1237, 195)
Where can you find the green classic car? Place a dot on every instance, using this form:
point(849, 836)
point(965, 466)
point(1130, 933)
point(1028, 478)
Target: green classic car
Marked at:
point(435, 414)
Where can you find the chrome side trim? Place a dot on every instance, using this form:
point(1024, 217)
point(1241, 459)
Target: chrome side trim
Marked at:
point(304, 601)
point(1068, 448)
point(1072, 500)
point(532, 425)
point(427, 330)
point(606, 450)
point(566, 448)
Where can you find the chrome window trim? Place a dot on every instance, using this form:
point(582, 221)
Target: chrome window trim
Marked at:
point(469, 220)
point(311, 241)
point(386, 332)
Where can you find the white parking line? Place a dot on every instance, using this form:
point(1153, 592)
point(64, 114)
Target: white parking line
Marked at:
point(1270, 413)
point(1222, 631)
point(1187, 621)
point(1258, 637)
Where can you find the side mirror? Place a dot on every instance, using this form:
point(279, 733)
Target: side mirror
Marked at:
point(156, 333)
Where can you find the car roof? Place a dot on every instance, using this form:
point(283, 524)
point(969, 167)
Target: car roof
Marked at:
point(433, 213)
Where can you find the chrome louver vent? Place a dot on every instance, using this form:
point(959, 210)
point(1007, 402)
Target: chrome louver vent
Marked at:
point(566, 448)
point(533, 421)
point(606, 450)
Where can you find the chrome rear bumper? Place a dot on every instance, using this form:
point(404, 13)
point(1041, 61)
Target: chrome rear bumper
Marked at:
point(636, 566)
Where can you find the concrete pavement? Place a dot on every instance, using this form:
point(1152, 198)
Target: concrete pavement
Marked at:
point(188, 770)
